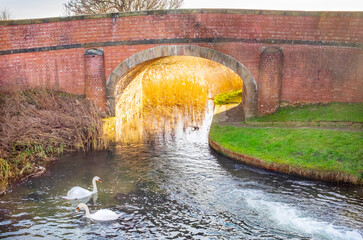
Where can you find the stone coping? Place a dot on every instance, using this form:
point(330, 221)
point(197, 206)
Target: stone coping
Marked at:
point(339, 177)
point(182, 11)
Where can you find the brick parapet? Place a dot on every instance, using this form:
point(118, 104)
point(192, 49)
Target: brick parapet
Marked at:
point(316, 28)
point(184, 11)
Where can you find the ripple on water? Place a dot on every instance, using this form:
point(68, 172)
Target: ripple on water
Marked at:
point(179, 189)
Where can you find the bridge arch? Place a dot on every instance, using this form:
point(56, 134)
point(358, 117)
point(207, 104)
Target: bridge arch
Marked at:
point(249, 83)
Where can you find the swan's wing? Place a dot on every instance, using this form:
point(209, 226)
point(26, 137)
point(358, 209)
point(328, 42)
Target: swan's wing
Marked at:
point(78, 193)
point(104, 215)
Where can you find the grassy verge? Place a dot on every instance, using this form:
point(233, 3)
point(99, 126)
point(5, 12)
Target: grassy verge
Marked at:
point(310, 149)
point(351, 112)
point(228, 97)
point(38, 125)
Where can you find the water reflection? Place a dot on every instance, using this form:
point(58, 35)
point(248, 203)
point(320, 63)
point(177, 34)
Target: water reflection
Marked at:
point(177, 187)
point(152, 124)
point(75, 202)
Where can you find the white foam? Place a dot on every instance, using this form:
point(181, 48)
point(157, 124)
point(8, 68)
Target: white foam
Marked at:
point(291, 219)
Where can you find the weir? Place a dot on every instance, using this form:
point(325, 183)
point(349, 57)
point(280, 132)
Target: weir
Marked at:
point(158, 95)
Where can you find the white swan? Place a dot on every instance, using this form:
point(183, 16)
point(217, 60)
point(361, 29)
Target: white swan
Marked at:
point(79, 192)
point(100, 215)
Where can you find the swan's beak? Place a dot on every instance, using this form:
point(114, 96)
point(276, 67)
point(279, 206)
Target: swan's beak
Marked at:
point(77, 209)
point(100, 180)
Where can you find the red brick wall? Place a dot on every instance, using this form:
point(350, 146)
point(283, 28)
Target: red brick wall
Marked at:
point(322, 74)
point(322, 52)
point(61, 70)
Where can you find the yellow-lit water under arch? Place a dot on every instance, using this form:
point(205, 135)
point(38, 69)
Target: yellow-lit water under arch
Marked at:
point(156, 95)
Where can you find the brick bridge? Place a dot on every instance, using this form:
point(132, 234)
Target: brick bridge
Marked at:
point(282, 56)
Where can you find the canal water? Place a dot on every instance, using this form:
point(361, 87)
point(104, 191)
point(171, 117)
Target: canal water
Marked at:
point(174, 186)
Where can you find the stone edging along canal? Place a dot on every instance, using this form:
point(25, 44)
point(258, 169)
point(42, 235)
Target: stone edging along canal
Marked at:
point(313, 174)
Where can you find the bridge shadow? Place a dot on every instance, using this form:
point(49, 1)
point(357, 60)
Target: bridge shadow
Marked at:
point(231, 113)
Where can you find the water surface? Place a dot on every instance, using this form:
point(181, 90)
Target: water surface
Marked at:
point(174, 186)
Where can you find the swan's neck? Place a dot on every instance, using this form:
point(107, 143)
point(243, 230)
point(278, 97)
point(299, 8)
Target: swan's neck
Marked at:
point(87, 211)
point(94, 186)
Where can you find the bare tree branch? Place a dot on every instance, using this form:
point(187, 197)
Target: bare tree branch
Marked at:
point(78, 7)
point(5, 14)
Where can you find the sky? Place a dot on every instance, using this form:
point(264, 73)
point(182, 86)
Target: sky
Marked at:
point(20, 9)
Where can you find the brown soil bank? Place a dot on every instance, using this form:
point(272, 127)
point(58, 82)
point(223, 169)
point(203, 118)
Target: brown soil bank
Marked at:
point(38, 125)
point(313, 174)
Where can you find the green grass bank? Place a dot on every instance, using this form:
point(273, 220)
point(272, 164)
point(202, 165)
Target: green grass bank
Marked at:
point(231, 97)
point(325, 154)
point(333, 112)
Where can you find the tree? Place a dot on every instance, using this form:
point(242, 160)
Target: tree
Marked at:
point(5, 14)
point(78, 7)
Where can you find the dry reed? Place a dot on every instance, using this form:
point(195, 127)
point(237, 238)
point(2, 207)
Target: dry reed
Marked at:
point(169, 89)
point(37, 125)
